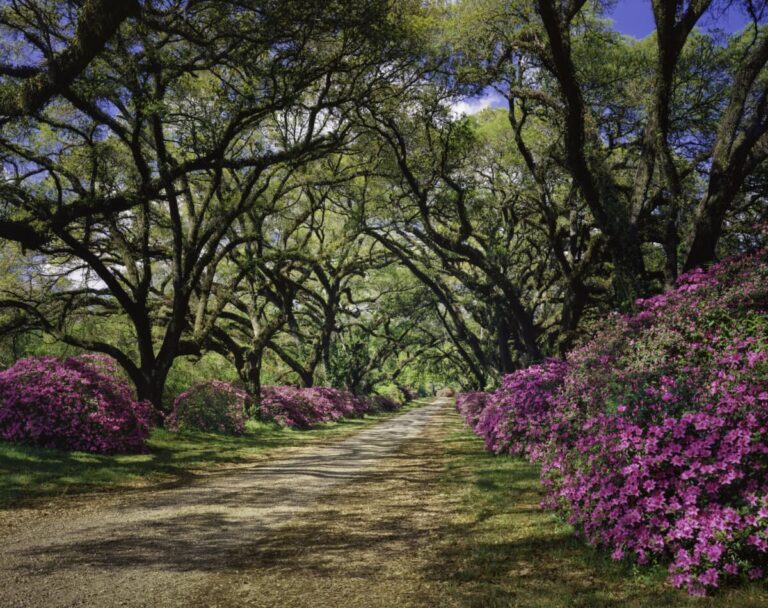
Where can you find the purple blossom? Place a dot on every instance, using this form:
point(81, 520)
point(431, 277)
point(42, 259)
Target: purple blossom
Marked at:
point(76, 403)
point(653, 435)
point(306, 407)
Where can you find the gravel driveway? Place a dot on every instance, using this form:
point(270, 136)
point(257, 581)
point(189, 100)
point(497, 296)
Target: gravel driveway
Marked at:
point(162, 547)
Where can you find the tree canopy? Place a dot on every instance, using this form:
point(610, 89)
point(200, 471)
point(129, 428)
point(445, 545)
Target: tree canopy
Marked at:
point(285, 191)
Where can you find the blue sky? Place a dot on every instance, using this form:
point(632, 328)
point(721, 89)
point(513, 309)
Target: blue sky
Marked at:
point(634, 18)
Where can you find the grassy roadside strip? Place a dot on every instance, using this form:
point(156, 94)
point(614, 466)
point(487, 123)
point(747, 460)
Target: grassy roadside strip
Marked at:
point(503, 550)
point(28, 474)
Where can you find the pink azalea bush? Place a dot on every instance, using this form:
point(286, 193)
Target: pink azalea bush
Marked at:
point(471, 406)
point(75, 403)
point(211, 406)
point(654, 442)
point(306, 407)
point(516, 419)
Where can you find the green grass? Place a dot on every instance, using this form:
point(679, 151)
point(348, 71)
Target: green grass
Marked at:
point(504, 550)
point(28, 473)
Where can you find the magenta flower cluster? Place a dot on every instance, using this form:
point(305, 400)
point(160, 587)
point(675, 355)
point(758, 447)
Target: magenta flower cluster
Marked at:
point(77, 403)
point(653, 435)
point(471, 406)
point(306, 407)
point(516, 418)
point(212, 406)
point(220, 407)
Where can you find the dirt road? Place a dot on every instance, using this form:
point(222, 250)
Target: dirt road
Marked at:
point(317, 528)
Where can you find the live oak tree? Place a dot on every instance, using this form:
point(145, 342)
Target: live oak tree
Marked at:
point(176, 130)
point(55, 43)
point(391, 326)
point(283, 182)
point(286, 245)
point(337, 257)
point(465, 212)
point(639, 160)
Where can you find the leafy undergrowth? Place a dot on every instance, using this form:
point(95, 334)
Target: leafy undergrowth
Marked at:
point(504, 550)
point(28, 473)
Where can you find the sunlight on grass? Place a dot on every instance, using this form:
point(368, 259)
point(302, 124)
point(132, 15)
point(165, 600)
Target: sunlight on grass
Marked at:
point(504, 550)
point(29, 473)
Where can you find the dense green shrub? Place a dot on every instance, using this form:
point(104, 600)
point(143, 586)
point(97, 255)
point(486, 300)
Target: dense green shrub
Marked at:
point(213, 406)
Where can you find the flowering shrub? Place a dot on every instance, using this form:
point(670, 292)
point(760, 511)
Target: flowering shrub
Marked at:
point(212, 406)
point(516, 419)
point(471, 406)
point(332, 403)
point(286, 406)
point(654, 443)
point(77, 403)
point(307, 407)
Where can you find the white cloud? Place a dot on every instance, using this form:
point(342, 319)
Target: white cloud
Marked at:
point(79, 276)
point(84, 277)
point(473, 105)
